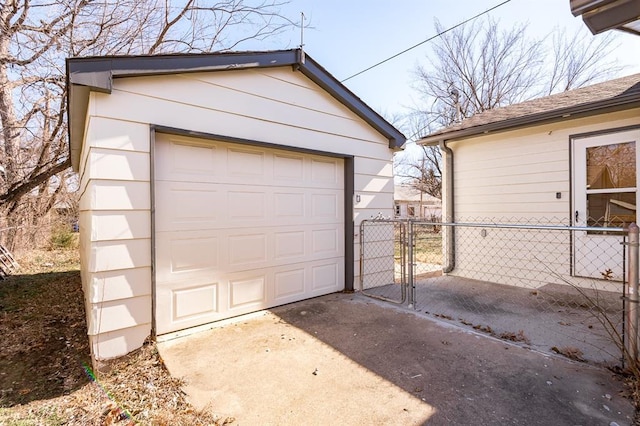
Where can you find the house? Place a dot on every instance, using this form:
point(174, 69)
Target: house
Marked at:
point(565, 159)
point(217, 185)
point(412, 203)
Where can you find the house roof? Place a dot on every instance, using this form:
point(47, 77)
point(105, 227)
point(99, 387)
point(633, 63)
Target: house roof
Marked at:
point(614, 95)
point(97, 73)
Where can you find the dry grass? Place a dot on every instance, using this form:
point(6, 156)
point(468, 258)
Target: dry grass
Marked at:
point(515, 337)
point(45, 377)
point(570, 352)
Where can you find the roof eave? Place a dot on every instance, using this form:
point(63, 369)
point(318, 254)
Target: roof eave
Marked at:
point(618, 103)
point(97, 73)
point(324, 79)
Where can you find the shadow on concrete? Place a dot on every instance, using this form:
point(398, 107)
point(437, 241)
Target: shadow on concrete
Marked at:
point(552, 316)
point(348, 359)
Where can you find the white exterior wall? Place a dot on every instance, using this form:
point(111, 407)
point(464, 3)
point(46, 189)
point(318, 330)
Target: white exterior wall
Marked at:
point(513, 177)
point(276, 106)
point(115, 226)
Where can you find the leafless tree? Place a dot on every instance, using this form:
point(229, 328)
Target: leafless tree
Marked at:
point(419, 167)
point(478, 67)
point(579, 60)
point(35, 38)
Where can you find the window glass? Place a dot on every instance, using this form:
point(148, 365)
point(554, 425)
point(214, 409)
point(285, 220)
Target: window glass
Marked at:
point(611, 166)
point(616, 210)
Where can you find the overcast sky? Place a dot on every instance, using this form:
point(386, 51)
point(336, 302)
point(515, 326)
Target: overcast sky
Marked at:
point(351, 35)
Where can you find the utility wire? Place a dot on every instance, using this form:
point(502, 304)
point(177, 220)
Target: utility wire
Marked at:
point(425, 41)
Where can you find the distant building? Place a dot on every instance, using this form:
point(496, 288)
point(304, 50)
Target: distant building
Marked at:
point(410, 203)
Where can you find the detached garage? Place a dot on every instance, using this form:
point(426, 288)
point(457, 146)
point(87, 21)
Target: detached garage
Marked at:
point(217, 185)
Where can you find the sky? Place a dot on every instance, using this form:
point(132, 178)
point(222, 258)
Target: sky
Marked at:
point(347, 36)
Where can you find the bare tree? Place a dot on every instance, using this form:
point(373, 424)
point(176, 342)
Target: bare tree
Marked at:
point(419, 167)
point(579, 60)
point(35, 38)
point(478, 67)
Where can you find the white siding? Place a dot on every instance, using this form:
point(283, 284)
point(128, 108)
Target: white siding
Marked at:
point(276, 105)
point(115, 226)
point(513, 177)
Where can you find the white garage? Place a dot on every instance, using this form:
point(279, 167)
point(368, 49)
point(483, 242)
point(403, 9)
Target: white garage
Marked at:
point(217, 185)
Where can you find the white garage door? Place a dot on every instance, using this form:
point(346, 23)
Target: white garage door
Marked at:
point(240, 228)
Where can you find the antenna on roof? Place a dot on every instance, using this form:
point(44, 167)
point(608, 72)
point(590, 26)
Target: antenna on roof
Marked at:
point(455, 94)
point(301, 30)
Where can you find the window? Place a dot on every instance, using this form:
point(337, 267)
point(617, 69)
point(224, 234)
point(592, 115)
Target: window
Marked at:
point(611, 184)
point(411, 211)
point(398, 210)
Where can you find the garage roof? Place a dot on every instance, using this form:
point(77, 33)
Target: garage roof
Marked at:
point(614, 95)
point(97, 73)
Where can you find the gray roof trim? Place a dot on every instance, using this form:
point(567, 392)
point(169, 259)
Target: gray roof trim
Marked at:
point(616, 103)
point(97, 74)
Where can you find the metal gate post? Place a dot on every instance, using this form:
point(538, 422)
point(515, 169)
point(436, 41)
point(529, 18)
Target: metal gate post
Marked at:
point(410, 282)
point(632, 296)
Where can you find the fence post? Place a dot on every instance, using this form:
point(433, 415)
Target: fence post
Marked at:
point(632, 290)
point(410, 264)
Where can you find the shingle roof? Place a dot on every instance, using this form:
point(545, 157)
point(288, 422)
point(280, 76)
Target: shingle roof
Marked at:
point(621, 93)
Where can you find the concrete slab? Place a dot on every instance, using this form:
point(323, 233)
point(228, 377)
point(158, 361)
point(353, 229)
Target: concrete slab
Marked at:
point(350, 360)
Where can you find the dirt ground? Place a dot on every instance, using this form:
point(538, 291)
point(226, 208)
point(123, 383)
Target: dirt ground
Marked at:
point(45, 369)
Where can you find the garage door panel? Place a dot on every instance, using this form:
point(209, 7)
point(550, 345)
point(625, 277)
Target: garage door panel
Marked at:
point(188, 255)
point(244, 229)
point(186, 304)
point(325, 206)
point(247, 250)
point(325, 241)
point(178, 160)
point(325, 276)
point(186, 206)
point(289, 244)
point(289, 205)
point(195, 302)
point(289, 284)
point(246, 163)
point(243, 204)
point(326, 172)
point(195, 206)
point(288, 169)
point(193, 254)
point(248, 291)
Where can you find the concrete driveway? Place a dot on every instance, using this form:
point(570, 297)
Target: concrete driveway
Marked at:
point(345, 359)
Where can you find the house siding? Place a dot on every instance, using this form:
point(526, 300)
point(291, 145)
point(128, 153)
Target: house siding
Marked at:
point(277, 106)
point(513, 177)
point(115, 226)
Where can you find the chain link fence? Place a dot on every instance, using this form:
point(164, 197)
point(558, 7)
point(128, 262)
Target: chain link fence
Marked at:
point(553, 288)
point(383, 260)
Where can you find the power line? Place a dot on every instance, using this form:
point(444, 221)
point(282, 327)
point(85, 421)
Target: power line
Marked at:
point(425, 41)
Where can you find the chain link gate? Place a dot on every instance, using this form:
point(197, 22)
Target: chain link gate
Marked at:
point(521, 282)
point(384, 259)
